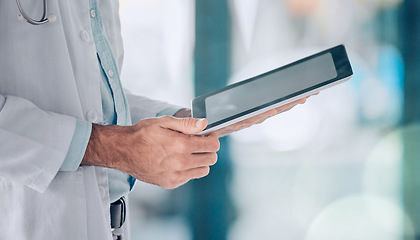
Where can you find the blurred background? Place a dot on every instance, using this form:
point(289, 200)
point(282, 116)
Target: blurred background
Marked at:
point(342, 166)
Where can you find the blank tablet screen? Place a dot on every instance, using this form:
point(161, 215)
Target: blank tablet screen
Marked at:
point(270, 87)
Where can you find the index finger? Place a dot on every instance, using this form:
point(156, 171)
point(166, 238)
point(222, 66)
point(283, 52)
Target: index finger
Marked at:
point(204, 143)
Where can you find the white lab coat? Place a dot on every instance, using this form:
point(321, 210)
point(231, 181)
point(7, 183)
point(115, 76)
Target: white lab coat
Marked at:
point(49, 77)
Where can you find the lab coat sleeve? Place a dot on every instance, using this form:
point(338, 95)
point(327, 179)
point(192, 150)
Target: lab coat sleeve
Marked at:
point(77, 147)
point(142, 107)
point(33, 142)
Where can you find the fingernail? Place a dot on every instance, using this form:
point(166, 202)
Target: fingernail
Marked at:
point(198, 123)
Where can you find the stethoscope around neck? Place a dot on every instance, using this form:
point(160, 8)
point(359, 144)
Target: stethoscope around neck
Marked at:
point(28, 19)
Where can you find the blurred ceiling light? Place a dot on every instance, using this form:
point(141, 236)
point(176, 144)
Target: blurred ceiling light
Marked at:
point(382, 175)
point(362, 217)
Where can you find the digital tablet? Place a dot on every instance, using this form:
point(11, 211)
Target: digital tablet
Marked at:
point(272, 89)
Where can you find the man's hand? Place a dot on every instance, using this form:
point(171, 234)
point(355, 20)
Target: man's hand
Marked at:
point(258, 118)
point(162, 151)
point(250, 121)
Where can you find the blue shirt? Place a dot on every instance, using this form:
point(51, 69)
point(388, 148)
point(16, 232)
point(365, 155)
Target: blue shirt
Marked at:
point(114, 106)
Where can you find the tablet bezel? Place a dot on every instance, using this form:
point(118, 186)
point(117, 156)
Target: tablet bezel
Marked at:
point(342, 67)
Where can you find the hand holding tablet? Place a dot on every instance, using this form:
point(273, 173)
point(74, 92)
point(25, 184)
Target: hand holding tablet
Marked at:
point(259, 118)
point(276, 89)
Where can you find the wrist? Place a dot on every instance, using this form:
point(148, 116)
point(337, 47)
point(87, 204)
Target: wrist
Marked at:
point(101, 149)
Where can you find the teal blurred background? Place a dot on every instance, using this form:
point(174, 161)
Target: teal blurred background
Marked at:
point(342, 166)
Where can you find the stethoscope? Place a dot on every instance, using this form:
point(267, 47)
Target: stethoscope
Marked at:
point(28, 19)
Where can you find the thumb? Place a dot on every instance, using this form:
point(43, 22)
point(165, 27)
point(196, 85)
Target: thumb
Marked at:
point(185, 125)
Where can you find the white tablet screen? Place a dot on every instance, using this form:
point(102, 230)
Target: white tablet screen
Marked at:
point(281, 84)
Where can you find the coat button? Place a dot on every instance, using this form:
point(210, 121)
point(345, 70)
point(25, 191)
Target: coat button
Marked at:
point(84, 35)
point(110, 73)
point(92, 116)
point(92, 13)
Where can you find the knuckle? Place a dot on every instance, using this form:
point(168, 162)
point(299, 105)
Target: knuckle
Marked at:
point(216, 142)
point(205, 171)
point(186, 122)
point(165, 117)
point(213, 140)
point(172, 185)
point(273, 112)
point(164, 184)
point(189, 125)
point(169, 185)
point(181, 145)
point(179, 164)
point(172, 181)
